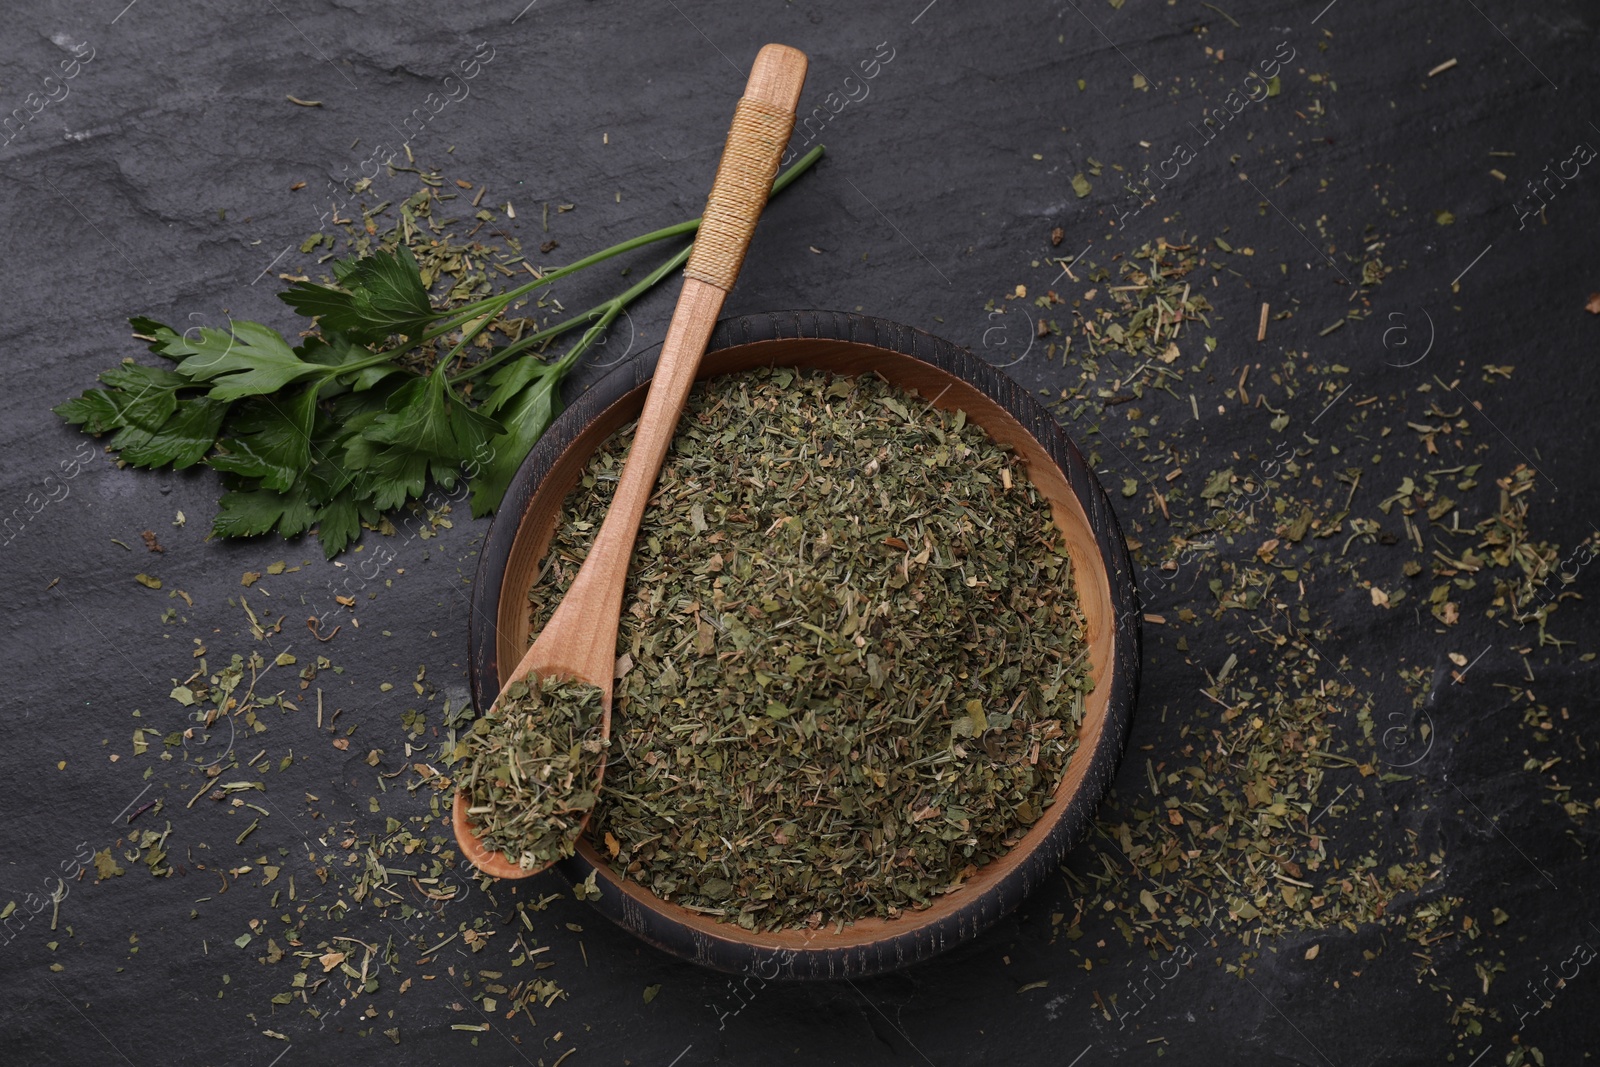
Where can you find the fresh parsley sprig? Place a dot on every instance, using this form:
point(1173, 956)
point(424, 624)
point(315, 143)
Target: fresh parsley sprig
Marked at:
point(375, 403)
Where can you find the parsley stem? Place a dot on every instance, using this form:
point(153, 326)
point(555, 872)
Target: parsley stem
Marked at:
point(493, 305)
point(602, 315)
point(782, 182)
point(614, 307)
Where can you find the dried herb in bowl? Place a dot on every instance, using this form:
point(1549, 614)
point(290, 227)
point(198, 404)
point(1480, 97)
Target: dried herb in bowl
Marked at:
point(530, 769)
point(852, 659)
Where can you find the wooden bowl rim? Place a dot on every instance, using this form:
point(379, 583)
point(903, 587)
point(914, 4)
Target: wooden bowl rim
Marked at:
point(873, 945)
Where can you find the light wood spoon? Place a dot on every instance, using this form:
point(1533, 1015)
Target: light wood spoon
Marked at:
point(580, 640)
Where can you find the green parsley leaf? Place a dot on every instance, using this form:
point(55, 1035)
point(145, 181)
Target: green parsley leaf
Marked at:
point(336, 350)
point(149, 394)
point(388, 476)
point(427, 417)
point(527, 399)
point(382, 294)
point(338, 524)
point(96, 411)
point(363, 415)
point(181, 441)
point(245, 514)
point(140, 396)
point(272, 438)
point(248, 359)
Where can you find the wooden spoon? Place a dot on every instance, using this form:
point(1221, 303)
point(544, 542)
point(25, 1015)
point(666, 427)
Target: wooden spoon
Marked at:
point(580, 640)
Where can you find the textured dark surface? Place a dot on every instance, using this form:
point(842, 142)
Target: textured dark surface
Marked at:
point(161, 184)
point(1072, 821)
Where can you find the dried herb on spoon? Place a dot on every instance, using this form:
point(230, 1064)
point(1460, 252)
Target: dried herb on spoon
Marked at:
point(531, 766)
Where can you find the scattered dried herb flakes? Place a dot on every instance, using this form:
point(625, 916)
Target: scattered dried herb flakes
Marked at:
point(853, 655)
point(1146, 312)
point(1267, 489)
point(1236, 831)
point(530, 766)
point(353, 909)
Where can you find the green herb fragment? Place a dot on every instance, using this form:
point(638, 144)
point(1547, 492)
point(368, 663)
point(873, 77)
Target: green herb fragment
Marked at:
point(531, 767)
point(106, 866)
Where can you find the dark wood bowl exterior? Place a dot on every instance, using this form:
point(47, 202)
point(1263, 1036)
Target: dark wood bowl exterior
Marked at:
point(952, 378)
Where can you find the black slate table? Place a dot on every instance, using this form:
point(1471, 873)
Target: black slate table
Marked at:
point(156, 172)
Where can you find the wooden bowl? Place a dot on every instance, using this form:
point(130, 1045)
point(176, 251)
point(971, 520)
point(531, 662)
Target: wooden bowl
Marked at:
point(952, 378)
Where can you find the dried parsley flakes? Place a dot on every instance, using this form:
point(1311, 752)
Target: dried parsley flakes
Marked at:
point(530, 768)
point(852, 654)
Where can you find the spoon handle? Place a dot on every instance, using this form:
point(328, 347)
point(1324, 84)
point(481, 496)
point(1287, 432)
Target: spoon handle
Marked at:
point(583, 630)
